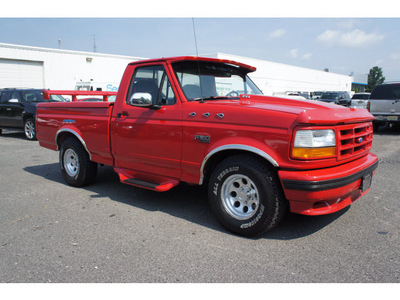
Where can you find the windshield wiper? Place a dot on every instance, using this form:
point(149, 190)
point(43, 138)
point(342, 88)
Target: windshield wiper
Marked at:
point(202, 99)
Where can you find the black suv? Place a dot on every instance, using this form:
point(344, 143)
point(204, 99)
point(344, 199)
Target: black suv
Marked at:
point(18, 109)
point(341, 98)
point(385, 104)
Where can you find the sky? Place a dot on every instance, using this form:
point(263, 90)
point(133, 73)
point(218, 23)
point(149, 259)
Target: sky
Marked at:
point(339, 42)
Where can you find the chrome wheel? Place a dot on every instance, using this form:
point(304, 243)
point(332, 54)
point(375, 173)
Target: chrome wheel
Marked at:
point(75, 164)
point(240, 196)
point(71, 162)
point(30, 130)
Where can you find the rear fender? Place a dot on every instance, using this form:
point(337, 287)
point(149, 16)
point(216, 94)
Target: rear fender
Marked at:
point(67, 131)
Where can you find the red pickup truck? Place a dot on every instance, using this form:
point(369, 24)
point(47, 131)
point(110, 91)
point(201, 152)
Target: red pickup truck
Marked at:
point(204, 122)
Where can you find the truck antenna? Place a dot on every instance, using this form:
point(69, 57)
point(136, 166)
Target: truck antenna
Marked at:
point(195, 40)
point(198, 63)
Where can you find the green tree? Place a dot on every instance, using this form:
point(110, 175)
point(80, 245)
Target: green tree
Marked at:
point(375, 77)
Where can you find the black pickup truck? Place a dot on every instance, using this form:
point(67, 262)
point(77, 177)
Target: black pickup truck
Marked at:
point(18, 109)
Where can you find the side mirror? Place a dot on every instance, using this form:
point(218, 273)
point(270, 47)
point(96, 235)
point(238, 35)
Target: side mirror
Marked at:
point(141, 99)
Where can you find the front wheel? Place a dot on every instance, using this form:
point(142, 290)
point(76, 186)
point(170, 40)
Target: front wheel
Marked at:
point(76, 167)
point(246, 196)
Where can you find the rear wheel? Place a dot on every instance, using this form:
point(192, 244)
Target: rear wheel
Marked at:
point(30, 129)
point(246, 196)
point(76, 167)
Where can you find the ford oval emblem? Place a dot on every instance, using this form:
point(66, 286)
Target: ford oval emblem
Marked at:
point(359, 140)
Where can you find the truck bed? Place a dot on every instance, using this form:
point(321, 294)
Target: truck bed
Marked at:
point(93, 118)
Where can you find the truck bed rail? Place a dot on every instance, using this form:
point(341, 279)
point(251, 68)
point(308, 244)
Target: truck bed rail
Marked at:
point(74, 94)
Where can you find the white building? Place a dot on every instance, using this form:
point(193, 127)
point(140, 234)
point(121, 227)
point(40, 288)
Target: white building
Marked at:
point(33, 67)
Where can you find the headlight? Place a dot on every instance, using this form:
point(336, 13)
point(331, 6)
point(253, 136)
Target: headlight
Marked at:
point(310, 144)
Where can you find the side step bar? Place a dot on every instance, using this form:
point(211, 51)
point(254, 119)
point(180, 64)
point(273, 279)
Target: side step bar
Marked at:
point(141, 183)
point(162, 187)
point(146, 181)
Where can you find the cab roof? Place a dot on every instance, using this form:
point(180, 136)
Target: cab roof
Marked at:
point(247, 68)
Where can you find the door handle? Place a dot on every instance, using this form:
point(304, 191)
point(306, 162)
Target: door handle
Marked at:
point(122, 114)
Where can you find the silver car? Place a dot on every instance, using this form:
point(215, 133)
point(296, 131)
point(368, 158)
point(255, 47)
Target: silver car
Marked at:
point(360, 100)
point(385, 104)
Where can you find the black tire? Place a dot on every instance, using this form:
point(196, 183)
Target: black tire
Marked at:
point(76, 167)
point(376, 126)
point(30, 129)
point(246, 196)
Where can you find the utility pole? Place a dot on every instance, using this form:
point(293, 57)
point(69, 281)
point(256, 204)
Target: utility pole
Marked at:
point(59, 43)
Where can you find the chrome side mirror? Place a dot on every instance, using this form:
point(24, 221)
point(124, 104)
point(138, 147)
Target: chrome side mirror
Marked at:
point(141, 99)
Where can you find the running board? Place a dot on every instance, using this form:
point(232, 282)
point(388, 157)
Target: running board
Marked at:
point(150, 182)
point(162, 187)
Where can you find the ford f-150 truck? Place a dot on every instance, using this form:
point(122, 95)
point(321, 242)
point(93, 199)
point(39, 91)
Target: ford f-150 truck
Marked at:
point(204, 122)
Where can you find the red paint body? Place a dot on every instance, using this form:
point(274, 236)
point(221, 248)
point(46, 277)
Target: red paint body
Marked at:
point(160, 145)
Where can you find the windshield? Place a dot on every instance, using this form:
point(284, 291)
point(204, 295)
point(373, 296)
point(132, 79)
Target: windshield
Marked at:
point(57, 98)
point(333, 96)
point(201, 80)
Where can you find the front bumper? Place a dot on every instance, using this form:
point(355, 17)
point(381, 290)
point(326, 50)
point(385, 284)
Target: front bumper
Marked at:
point(325, 191)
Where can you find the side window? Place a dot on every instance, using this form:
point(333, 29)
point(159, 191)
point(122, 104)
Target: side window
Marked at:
point(167, 94)
point(16, 95)
point(32, 96)
point(154, 81)
point(5, 96)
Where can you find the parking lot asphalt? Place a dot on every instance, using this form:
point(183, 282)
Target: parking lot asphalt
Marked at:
point(111, 232)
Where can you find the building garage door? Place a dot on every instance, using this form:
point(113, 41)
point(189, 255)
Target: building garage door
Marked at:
point(21, 74)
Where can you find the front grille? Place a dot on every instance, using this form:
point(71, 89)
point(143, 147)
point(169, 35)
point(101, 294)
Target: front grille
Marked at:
point(354, 140)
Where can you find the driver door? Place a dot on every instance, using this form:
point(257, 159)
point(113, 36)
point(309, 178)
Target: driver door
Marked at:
point(149, 138)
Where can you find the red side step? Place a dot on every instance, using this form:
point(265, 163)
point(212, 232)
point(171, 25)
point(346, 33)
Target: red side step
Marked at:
point(146, 181)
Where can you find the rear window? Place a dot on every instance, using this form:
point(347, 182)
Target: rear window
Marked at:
point(360, 96)
point(386, 91)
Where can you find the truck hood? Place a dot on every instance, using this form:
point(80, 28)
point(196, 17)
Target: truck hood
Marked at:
point(307, 111)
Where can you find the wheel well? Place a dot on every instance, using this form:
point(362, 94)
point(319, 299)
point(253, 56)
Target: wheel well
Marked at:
point(27, 116)
point(62, 136)
point(214, 160)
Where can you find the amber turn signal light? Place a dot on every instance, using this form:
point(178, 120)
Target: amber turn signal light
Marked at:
point(312, 153)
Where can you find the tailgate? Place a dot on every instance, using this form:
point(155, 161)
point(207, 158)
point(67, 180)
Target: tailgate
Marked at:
point(385, 110)
point(385, 106)
point(359, 103)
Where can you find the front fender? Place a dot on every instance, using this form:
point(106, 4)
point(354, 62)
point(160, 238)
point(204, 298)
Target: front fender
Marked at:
point(242, 145)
